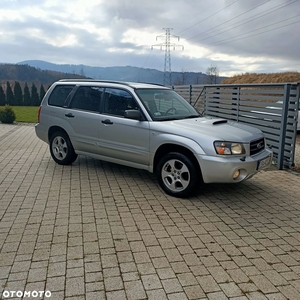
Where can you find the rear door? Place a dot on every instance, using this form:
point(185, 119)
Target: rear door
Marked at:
point(121, 138)
point(83, 118)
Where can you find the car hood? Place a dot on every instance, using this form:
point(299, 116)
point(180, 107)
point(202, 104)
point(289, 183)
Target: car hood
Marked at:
point(210, 129)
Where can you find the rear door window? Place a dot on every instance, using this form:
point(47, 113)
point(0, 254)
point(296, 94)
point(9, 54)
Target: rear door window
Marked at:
point(60, 94)
point(87, 98)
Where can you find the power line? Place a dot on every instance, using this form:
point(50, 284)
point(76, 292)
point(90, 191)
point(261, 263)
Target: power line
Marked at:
point(229, 27)
point(200, 21)
point(247, 20)
point(211, 29)
point(211, 15)
point(234, 40)
point(140, 69)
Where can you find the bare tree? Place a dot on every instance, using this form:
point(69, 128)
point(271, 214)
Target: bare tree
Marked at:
point(212, 74)
point(181, 79)
point(82, 71)
point(199, 78)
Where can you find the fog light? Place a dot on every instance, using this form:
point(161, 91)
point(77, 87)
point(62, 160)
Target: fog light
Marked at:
point(236, 174)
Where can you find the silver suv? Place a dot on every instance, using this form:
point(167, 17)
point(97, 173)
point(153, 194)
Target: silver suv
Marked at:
point(149, 127)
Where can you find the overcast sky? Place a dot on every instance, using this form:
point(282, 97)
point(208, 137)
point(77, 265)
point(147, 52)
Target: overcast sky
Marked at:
point(237, 36)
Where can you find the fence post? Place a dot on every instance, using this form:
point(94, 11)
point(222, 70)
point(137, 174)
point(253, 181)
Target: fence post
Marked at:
point(191, 92)
point(205, 101)
point(285, 107)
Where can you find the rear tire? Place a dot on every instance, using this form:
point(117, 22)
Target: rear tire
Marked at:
point(177, 175)
point(61, 148)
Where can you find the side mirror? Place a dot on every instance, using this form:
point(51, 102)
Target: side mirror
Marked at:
point(132, 114)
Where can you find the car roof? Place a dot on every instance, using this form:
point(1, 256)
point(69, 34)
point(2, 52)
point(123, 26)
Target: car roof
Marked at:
point(135, 85)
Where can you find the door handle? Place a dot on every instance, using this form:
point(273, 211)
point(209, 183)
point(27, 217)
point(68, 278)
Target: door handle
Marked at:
point(69, 115)
point(107, 122)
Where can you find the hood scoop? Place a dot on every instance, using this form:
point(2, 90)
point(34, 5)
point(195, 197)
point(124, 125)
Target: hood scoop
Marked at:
point(219, 122)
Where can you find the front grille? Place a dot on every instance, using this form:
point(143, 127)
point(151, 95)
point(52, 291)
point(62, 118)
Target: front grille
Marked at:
point(257, 146)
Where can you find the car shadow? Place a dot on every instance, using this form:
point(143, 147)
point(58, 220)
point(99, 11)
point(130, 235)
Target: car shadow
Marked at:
point(147, 183)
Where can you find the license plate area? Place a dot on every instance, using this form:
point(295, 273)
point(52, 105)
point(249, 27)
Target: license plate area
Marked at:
point(263, 163)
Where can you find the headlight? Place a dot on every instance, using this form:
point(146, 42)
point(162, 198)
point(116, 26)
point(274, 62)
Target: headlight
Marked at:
point(229, 148)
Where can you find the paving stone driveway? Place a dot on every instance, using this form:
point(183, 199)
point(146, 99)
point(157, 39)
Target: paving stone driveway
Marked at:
point(95, 230)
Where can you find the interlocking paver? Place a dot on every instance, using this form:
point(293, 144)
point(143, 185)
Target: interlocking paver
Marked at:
point(217, 296)
point(135, 290)
point(113, 283)
point(158, 294)
point(231, 289)
point(194, 292)
point(263, 284)
point(151, 282)
point(187, 279)
point(96, 230)
point(172, 285)
point(219, 274)
point(116, 295)
point(97, 295)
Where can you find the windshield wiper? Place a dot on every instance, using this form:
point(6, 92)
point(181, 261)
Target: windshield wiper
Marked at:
point(192, 117)
point(170, 119)
point(180, 118)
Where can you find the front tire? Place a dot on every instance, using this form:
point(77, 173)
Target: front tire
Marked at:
point(177, 175)
point(61, 149)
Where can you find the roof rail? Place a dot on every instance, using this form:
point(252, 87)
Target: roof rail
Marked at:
point(95, 80)
point(109, 81)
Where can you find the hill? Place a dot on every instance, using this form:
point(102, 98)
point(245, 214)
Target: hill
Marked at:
point(127, 73)
point(25, 73)
point(263, 78)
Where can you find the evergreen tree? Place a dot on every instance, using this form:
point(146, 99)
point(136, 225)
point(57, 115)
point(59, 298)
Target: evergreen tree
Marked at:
point(18, 94)
point(27, 97)
point(35, 100)
point(2, 96)
point(9, 94)
point(42, 92)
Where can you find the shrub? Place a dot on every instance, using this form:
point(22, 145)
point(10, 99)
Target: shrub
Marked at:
point(7, 115)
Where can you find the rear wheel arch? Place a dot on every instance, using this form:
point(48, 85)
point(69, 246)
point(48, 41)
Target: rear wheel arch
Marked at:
point(60, 145)
point(54, 129)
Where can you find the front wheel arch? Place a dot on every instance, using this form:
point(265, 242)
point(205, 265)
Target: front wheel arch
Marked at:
point(168, 148)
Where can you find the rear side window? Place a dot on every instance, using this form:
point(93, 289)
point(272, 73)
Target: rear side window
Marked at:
point(60, 94)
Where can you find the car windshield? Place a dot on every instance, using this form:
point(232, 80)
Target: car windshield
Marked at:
point(164, 105)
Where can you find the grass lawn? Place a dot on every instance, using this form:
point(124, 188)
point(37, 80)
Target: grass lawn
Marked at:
point(26, 114)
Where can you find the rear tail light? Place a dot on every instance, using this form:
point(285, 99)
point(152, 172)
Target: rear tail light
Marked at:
point(39, 113)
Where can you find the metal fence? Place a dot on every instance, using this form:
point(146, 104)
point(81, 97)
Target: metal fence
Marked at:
point(273, 108)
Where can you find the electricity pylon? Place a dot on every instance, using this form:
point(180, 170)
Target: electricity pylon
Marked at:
point(167, 46)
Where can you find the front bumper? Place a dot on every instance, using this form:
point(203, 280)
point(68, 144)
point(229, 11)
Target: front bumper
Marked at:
point(222, 168)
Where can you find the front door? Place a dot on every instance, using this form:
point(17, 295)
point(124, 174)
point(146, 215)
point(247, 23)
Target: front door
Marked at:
point(121, 138)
